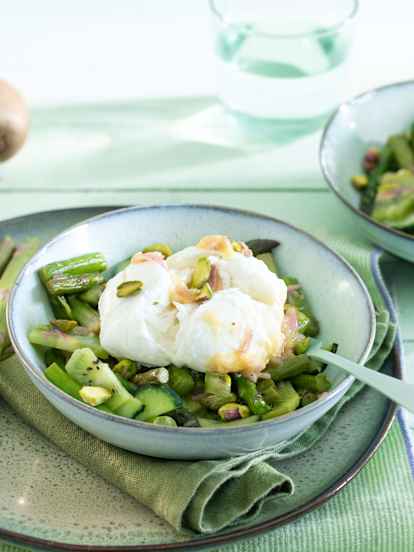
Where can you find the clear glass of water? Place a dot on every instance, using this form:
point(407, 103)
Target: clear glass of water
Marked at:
point(282, 62)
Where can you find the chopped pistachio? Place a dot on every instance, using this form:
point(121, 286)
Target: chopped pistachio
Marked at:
point(359, 181)
point(129, 288)
point(160, 247)
point(237, 246)
point(218, 384)
point(126, 368)
point(94, 395)
point(201, 273)
point(233, 411)
point(64, 325)
point(205, 293)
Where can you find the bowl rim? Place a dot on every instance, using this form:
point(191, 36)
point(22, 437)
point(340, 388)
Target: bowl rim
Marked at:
point(335, 28)
point(322, 153)
point(342, 387)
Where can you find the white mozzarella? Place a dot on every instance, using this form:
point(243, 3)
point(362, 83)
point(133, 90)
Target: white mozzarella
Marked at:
point(229, 333)
point(238, 330)
point(141, 327)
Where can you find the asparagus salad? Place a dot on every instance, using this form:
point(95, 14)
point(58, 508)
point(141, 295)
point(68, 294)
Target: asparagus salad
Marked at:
point(387, 187)
point(209, 336)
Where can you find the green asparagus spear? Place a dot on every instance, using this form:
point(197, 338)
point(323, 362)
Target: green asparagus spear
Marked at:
point(411, 136)
point(248, 392)
point(156, 375)
point(21, 255)
point(62, 284)
point(269, 391)
point(268, 260)
point(302, 345)
point(53, 356)
point(217, 384)
point(316, 384)
point(402, 152)
point(92, 295)
point(307, 398)
point(214, 402)
point(75, 266)
point(60, 307)
point(7, 246)
point(64, 325)
point(192, 405)
point(290, 281)
point(126, 368)
point(181, 380)
point(308, 324)
point(262, 245)
point(288, 402)
point(296, 298)
point(81, 330)
point(129, 386)
point(312, 329)
point(184, 417)
point(293, 367)
point(369, 193)
point(303, 320)
point(52, 337)
point(85, 314)
point(55, 374)
point(104, 408)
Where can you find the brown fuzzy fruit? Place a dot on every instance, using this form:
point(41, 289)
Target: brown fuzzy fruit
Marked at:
point(14, 121)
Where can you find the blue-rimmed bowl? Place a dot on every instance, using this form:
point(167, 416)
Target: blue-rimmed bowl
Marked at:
point(366, 120)
point(338, 296)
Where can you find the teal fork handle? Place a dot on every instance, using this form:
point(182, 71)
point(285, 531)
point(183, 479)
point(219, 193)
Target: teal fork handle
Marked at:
point(398, 391)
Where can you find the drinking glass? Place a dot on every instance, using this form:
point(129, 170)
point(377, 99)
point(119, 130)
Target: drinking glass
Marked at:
point(282, 62)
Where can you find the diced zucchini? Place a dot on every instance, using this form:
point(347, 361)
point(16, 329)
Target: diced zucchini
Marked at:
point(130, 408)
point(157, 400)
point(165, 421)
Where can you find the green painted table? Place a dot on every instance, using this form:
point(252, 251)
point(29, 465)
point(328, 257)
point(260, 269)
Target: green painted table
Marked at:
point(173, 151)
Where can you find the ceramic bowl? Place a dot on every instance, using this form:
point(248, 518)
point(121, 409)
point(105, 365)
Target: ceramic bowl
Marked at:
point(337, 294)
point(366, 120)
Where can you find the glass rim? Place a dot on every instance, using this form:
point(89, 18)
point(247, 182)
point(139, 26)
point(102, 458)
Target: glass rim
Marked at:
point(334, 28)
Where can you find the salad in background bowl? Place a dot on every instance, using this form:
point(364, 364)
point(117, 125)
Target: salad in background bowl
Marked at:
point(372, 133)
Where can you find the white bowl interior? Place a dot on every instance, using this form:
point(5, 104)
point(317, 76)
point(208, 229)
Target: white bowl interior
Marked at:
point(337, 295)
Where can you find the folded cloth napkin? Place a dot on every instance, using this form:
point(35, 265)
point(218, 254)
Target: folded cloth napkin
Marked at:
point(217, 493)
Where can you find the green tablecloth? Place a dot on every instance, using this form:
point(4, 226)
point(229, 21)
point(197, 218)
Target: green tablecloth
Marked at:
point(284, 182)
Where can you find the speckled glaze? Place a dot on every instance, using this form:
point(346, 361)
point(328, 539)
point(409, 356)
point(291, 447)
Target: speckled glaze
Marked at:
point(49, 501)
point(366, 120)
point(333, 288)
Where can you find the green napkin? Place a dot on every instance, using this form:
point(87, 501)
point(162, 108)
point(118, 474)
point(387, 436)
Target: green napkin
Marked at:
point(217, 493)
